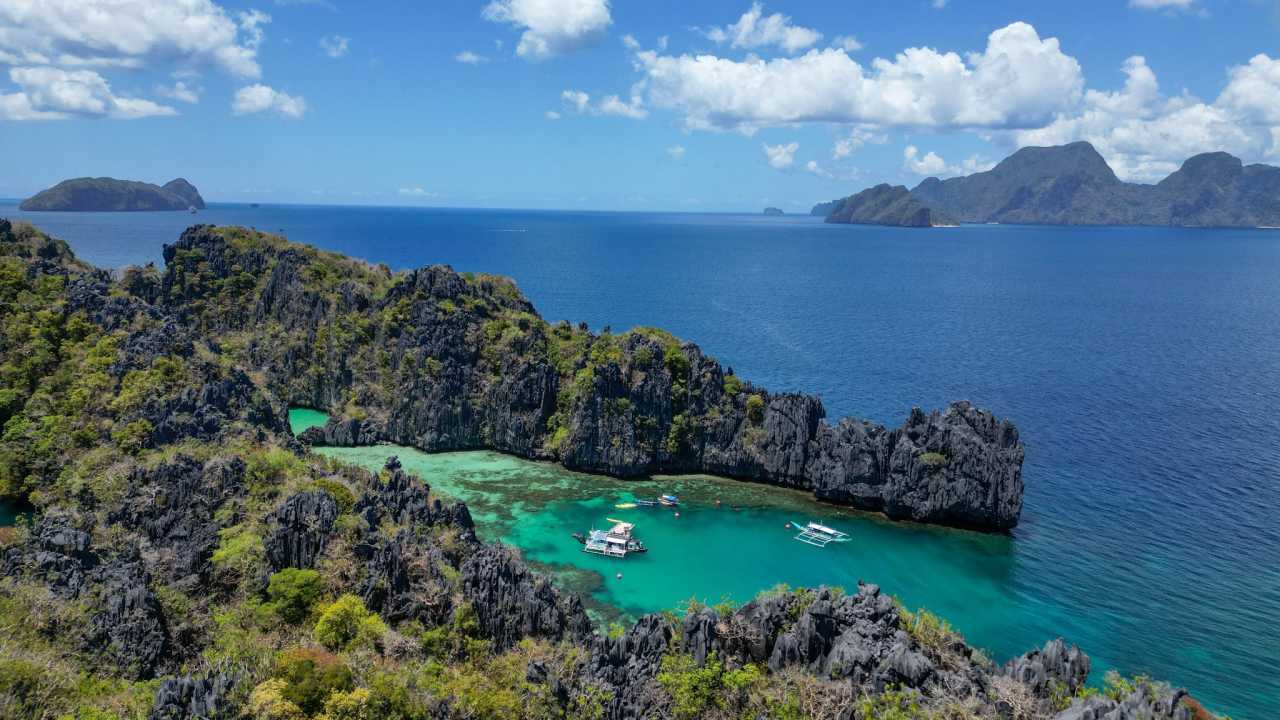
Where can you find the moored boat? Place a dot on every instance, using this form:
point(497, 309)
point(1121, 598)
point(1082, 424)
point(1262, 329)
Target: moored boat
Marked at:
point(818, 535)
point(616, 542)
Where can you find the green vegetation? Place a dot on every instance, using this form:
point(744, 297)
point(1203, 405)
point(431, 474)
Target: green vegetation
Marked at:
point(933, 459)
point(696, 690)
point(293, 592)
point(732, 385)
point(346, 622)
point(755, 408)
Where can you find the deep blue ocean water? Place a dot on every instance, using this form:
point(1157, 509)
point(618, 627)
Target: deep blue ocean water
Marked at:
point(1142, 366)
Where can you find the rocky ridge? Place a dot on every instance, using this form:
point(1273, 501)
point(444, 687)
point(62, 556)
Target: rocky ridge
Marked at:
point(1073, 185)
point(885, 204)
point(442, 361)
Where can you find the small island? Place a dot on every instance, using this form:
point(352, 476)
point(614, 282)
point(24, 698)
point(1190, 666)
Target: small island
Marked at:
point(773, 211)
point(106, 194)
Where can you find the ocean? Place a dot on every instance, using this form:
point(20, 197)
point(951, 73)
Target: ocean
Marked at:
point(1142, 366)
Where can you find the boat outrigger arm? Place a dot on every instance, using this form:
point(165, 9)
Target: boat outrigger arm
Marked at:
point(819, 535)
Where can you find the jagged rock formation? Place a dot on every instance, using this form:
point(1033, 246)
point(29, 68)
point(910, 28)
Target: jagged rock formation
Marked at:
point(127, 627)
point(147, 555)
point(173, 505)
point(108, 194)
point(442, 361)
point(1073, 185)
point(886, 205)
point(187, 698)
point(512, 603)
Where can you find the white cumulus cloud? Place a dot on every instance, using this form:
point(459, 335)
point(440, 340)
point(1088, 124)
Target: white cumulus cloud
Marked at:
point(856, 138)
point(551, 27)
point(466, 57)
point(1144, 135)
point(1019, 80)
point(614, 105)
point(781, 157)
point(128, 33)
point(929, 164)
point(848, 43)
point(755, 30)
point(813, 167)
point(48, 93)
point(180, 91)
point(335, 46)
point(261, 98)
point(676, 151)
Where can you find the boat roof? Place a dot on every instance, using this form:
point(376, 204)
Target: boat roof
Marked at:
point(621, 527)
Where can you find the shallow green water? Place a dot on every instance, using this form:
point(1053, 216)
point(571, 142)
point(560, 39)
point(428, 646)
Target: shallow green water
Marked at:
point(301, 419)
point(709, 552)
point(734, 550)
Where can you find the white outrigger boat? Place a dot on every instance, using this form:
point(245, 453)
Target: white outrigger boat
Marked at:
point(616, 542)
point(819, 535)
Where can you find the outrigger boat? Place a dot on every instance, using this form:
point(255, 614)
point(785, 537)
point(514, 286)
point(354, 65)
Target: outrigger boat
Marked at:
point(641, 503)
point(616, 542)
point(668, 500)
point(819, 535)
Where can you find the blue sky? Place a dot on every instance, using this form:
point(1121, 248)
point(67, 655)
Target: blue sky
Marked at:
point(666, 105)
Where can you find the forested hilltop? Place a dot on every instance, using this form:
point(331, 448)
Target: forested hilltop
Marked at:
point(187, 557)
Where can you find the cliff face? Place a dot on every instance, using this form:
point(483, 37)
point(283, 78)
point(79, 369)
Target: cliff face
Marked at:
point(108, 194)
point(443, 361)
point(1073, 185)
point(886, 205)
point(186, 191)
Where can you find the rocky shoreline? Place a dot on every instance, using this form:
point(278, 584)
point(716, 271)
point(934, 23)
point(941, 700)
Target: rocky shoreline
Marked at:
point(437, 360)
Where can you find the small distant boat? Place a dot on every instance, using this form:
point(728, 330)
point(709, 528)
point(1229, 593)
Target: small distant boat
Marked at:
point(617, 542)
point(626, 506)
point(668, 500)
point(192, 210)
point(819, 535)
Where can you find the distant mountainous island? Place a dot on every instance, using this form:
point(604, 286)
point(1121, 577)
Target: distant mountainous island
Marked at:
point(887, 204)
point(1073, 185)
point(109, 194)
point(773, 211)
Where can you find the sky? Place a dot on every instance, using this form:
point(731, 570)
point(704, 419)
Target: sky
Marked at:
point(715, 105)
